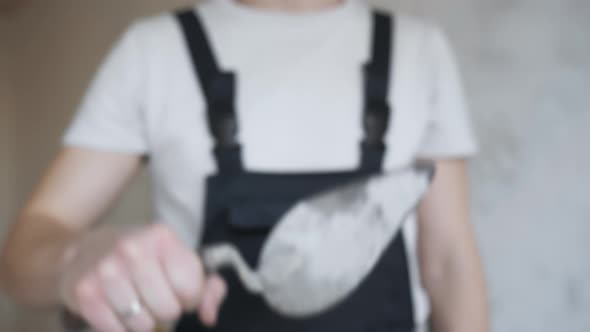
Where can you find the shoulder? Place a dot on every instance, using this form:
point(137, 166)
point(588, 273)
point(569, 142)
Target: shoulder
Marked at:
point(421, 45)
point(411, 26)
point(161, 30)
point(417, 39)
point(158, 40)
point(153, 29)
point(417, 34)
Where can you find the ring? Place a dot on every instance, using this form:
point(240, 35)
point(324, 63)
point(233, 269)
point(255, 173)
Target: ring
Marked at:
point(134, 309)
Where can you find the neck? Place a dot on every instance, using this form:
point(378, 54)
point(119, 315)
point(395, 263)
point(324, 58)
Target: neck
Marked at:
point(293, 5)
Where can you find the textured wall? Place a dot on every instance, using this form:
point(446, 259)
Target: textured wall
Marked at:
point(527, 69)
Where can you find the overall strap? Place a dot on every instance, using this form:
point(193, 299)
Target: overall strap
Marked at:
point(219, 90)
point(377, 111)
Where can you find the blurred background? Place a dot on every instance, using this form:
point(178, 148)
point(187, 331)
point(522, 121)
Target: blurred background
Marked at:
point(526, 65)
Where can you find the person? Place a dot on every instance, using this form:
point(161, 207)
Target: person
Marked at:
point(235, 100)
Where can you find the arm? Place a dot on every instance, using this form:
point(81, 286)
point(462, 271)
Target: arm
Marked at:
point(78, 188)
point(55, 257)
point(449, 259)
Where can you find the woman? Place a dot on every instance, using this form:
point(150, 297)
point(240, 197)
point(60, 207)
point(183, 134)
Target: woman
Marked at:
point(274, 87)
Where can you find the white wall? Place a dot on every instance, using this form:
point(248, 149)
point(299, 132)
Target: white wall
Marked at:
point(527, 68)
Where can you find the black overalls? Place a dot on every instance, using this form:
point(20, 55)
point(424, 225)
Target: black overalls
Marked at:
point(241, 205)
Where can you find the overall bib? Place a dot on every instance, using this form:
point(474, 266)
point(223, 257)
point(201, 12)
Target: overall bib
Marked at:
point(242, 206)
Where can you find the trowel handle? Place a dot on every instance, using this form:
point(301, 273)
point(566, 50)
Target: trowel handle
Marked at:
point(218, 256)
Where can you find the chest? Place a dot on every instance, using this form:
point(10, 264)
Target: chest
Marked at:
point(298, 108)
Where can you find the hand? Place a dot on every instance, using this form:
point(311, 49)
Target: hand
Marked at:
point(121, 279)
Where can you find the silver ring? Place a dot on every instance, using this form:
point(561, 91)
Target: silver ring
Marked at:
point(134, 309)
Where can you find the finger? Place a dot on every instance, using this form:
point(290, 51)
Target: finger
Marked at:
point(149, 279)
point(184, 272)
point(121, 296)
point(214, 292)
point(94, 309)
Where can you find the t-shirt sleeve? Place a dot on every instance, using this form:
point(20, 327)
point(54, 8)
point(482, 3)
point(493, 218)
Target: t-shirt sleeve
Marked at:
point(449, 133)
point(110, 116)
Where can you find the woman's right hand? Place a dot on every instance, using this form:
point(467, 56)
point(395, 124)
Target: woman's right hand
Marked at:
point(131, 279)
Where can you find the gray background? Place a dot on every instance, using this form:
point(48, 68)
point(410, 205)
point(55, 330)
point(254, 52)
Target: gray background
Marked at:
point(526, 66)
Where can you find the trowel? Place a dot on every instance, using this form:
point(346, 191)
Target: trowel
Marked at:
point(323, 247)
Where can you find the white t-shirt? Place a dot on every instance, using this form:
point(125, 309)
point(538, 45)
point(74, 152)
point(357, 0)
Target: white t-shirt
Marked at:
point(299, 101)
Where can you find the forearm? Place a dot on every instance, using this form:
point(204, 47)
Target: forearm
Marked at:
point(449, 258)
point(31, 259)
point(458, 295)
point(76, 191)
